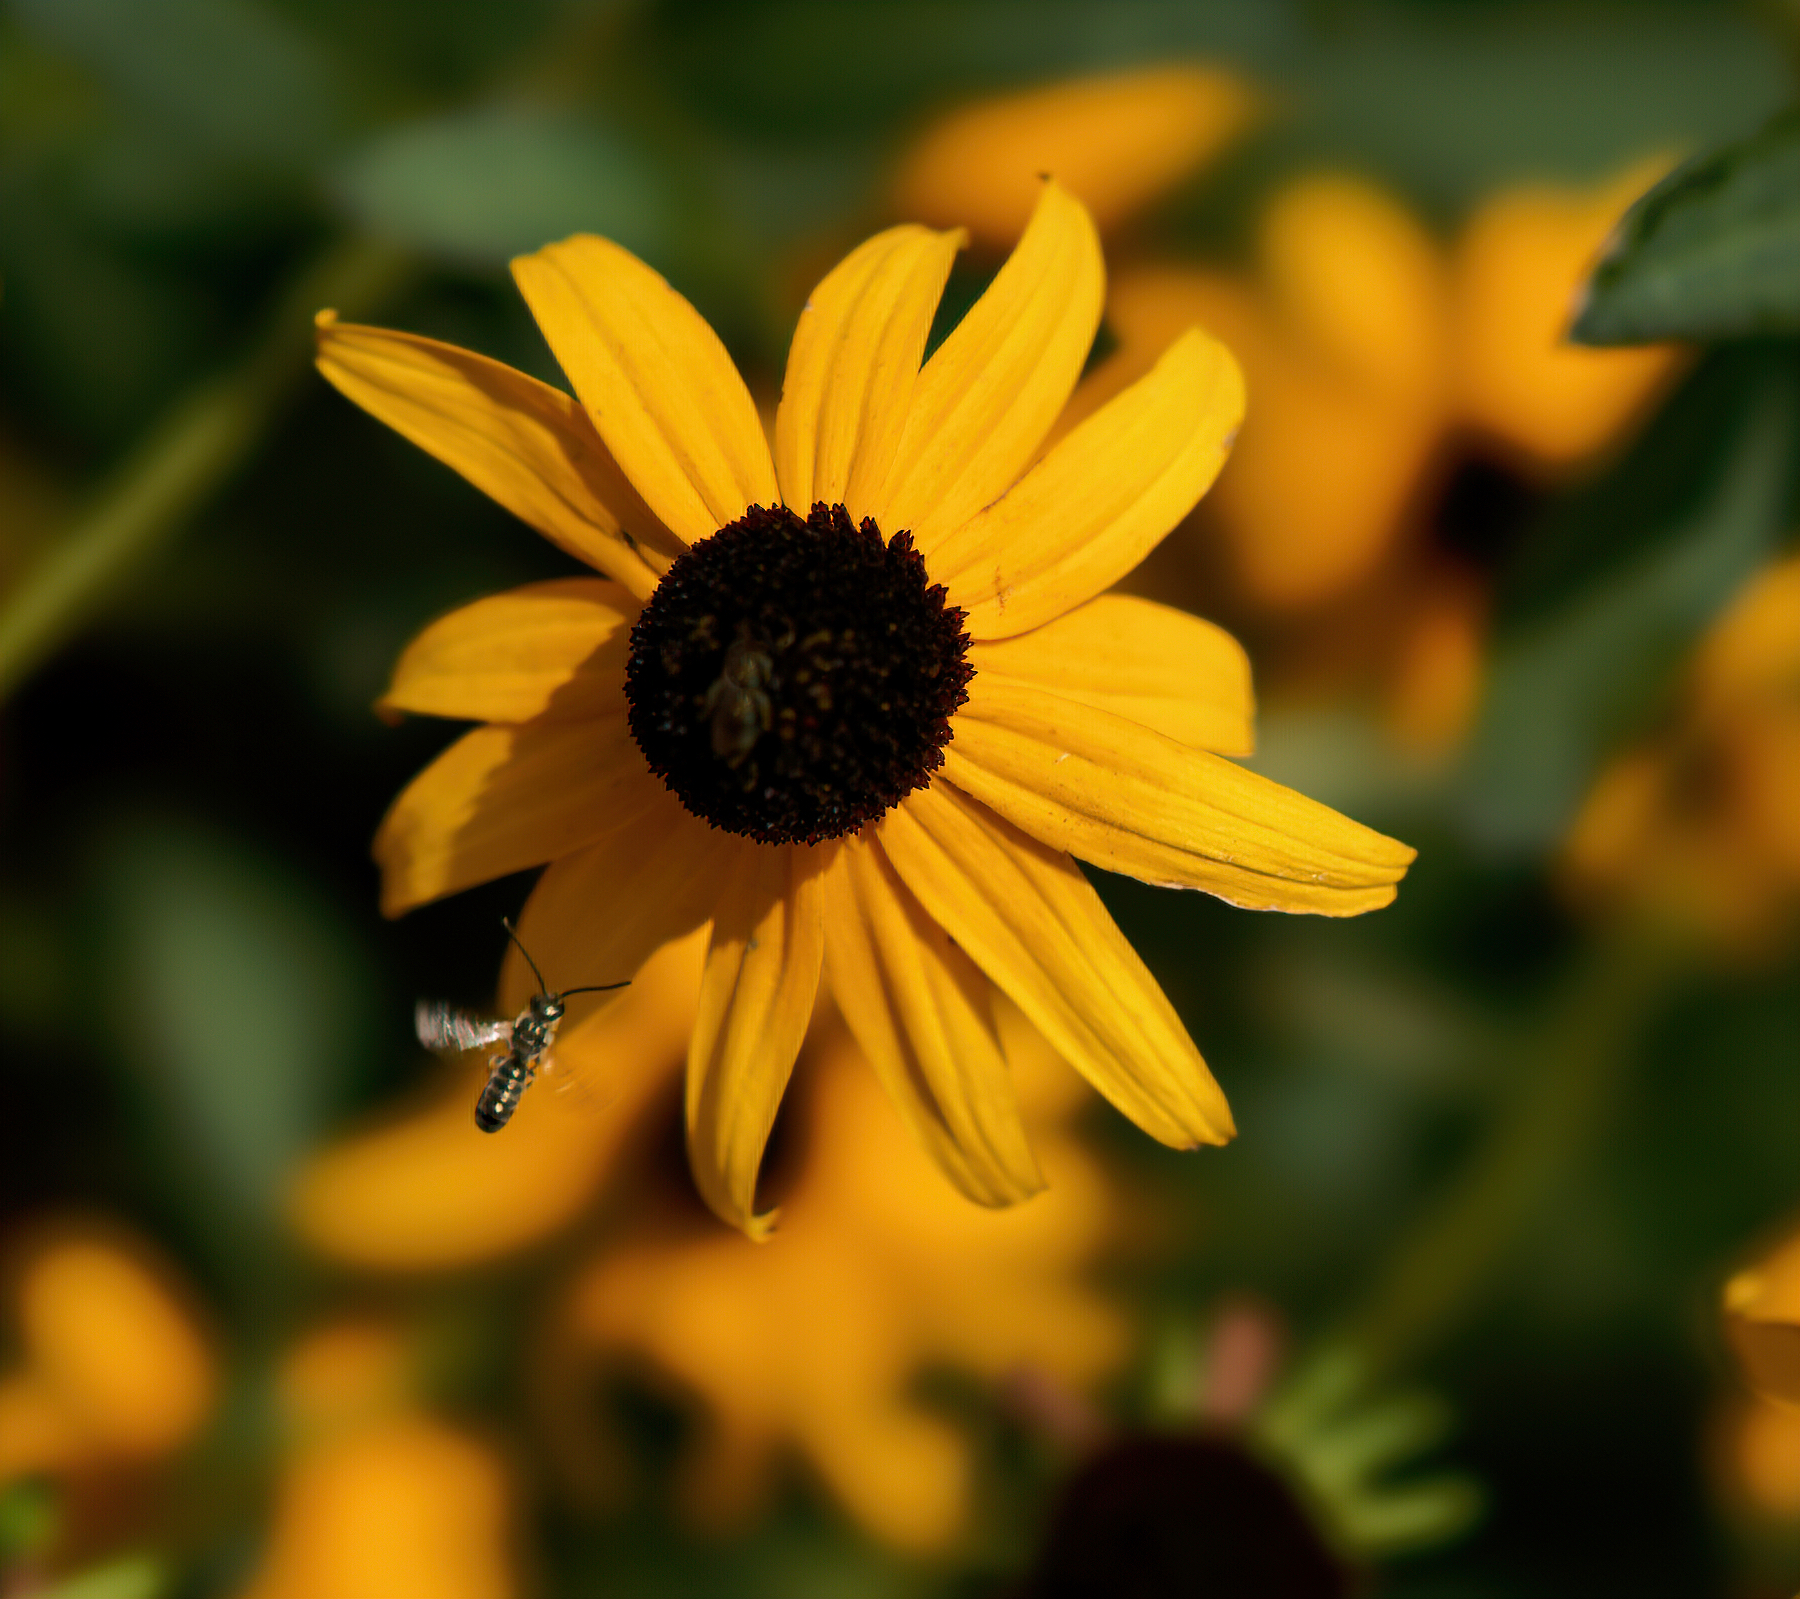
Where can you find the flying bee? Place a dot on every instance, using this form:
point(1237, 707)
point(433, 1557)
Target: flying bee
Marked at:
point(527, 1037)
point(738, 701)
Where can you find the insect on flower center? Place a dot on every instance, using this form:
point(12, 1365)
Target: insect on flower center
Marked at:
point(792, 679)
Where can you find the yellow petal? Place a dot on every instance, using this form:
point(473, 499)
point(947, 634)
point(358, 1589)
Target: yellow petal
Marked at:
point(505, 798)
point(548, 649)
point(919, 1007)
point(1102, 499)
point(1126, 798)
point(1034, 924)
point(1116, 141)
point(762, 976)
point(597, 915)
point(1170, 671)
point(657, 382)
point(989, 394)
point(853, 366)
point(519, 441)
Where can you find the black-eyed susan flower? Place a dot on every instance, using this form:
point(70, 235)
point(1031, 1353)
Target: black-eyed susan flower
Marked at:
point(858, 702)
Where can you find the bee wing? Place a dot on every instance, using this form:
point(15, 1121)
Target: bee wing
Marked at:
point(581, 1090)
point(446, 1030)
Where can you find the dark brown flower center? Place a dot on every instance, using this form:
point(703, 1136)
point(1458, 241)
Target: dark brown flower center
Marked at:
point(793, 679)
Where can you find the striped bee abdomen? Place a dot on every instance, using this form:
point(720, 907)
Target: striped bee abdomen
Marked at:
point(506, 1085)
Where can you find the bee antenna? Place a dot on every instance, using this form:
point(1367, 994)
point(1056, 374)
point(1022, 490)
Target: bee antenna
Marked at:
point(543, 987)
point(596, 988)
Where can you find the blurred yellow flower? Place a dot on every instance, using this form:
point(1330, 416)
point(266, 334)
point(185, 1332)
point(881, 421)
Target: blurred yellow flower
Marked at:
point(114, 1368)
point(378, 1496)
point(813, 1344)
point(1116, 142)
point(1370, 349)
point(864, 759)
point(1702, 824)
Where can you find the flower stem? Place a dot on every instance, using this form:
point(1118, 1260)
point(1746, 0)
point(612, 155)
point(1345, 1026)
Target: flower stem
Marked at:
point(187, 455)
point(1575, 1056)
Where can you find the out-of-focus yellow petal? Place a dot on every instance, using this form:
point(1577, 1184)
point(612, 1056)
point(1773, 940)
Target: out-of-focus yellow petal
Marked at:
point(1520, 263)
point(1615, 819)
point(1320, 482)
point(853, 366)
point(504, 798)
point(1762, 1318)
point(431, 1192)
point(1769, 771)
point(1034, 924)
point(658, 384)
point(919, 1008)
point(1115, 142)
point(536, 651)
point(880, 1269)
point(519, 441)
point(1124, 797)
point(1359, 282)
point(989, 394)
point(1436, 685)
point(37, 1431)
point(1764, 1445)
point(408, 1507)
point(1753, 650)
point(1134, 658)
point(756, 998)
point(1101, 499)
point(114, 1347)
point(598, 914)
point(343, 1374)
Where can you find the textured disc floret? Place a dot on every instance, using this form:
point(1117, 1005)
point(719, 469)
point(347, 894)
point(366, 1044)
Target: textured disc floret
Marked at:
point(793, 679)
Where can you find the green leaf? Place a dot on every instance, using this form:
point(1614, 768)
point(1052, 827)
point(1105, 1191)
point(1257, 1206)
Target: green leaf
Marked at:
point(1712, 252)
point(475, 189)
point(1573, 676)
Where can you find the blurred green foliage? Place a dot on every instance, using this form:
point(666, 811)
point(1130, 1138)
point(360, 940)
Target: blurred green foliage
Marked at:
point(1712, 252)
point(195, 988)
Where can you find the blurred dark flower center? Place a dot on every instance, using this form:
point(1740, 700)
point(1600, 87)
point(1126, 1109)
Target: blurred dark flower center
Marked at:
point(1161, 1516)
point(792, 679)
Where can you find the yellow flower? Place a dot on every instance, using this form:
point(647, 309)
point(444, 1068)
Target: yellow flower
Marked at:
point(1702, 824)
point(1117, 142)
point(114, 1368)
point(814, 1343)
point(858, 702)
